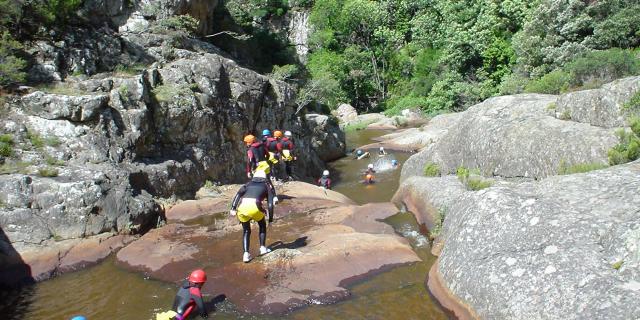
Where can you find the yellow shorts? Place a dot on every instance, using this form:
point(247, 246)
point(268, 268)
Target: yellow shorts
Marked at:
point(263, 166)
point(272, 158)
point(286, 155)
point(248, 210)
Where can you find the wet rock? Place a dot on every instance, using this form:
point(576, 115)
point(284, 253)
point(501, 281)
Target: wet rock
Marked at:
point(428, 198)
point(513, 250)
point(328, 140)
point(319, 248)
point(52, 258)
point(512, 136)
point(191, 209)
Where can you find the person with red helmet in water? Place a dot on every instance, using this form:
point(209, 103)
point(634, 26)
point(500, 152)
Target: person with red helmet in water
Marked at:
point(189, 298)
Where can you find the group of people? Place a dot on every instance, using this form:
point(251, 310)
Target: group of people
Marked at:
point(270, 153)
point(265, 156)
point(325, 182)
point(262, 157)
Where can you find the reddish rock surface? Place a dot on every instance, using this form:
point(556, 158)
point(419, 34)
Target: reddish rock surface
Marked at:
point(321, 244)
point(54, 258)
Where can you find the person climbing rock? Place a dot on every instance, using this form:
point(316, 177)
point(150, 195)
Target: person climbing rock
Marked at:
point(325, 181)
point(381, 152)
point(257, 161)
point(188, 300)
point(394, 163)
point(247, 206)
point(287, 147)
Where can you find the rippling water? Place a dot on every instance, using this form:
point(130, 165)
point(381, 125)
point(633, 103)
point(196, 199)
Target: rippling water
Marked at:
point(108, 292)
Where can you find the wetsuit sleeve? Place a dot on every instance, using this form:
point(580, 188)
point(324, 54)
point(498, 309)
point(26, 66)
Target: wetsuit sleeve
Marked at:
point(270, 194)
point(249, 159)
point(197, 297)
point(320, 182)
point(328, 183)
point(236, 198)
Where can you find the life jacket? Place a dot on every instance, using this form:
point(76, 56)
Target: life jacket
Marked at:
point(324, 181)
point(273, 147)
point(287, 147)
point(258, 156)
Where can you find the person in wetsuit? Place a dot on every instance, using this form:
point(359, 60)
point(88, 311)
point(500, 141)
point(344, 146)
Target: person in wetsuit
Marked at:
point(257, 156)
point(286, 147)
point(247, 206)
point(325, 181)
point(188, 300)
point(274, 147)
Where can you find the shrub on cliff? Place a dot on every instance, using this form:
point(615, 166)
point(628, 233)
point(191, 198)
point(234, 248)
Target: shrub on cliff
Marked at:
point(628, 148)
point(10, 65)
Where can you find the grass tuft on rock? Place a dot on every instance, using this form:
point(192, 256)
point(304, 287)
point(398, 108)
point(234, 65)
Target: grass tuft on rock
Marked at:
point(565, 168)
point(432, 170)
point(471, 179)
point(438, 224)
point(48, 172)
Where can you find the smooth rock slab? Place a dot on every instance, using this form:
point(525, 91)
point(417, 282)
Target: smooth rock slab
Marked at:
point(562, 248)
point(319, 248)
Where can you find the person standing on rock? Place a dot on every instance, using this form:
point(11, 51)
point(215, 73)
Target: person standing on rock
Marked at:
point(286, 145)
point(247, 206)
point(188, 300)
point(274, 147)
point(257, 161)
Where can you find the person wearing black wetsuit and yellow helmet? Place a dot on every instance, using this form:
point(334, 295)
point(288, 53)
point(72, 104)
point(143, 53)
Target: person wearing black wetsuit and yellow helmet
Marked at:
point(247, 206)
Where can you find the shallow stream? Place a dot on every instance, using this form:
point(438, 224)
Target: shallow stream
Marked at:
point(109, 292)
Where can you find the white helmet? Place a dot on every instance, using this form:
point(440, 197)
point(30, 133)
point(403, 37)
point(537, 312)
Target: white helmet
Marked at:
point(370, 166)
point(381, 148)
point(325, 173)
point(287, 133)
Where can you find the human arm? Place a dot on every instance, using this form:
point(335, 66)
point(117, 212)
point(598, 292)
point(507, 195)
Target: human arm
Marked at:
point(237, 197)
point(270, 200)
point(196, 295)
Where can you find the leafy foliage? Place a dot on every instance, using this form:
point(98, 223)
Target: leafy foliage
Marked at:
point(443, 55)
point(628, 147)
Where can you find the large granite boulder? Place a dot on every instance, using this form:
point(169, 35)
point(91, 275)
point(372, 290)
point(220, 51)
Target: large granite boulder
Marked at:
point(328, 140)
point(346, 113)
point(513, 136)
point(566, 247)
point(601, 107)
point(321, 243)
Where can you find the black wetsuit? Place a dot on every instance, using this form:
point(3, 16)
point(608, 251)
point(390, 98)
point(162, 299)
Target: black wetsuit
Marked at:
point(259, 189)
point(287, 144)
point(256, 153)
point(189, 295)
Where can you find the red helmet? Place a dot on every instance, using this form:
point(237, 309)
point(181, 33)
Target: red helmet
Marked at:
point(198, 276)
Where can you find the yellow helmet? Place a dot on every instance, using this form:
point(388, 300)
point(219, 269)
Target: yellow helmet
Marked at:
point(277, 134)
point(249, 139)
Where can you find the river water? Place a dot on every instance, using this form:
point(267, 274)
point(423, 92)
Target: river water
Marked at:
point(109, 292)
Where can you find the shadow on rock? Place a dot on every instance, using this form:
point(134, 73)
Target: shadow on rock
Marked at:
point(15, 281)
point(295, 244)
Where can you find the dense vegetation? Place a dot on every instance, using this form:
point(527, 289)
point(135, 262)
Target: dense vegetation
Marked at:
point(20, 20)
point(442, 55)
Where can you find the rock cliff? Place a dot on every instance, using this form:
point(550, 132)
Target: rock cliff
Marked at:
point(91, 154)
